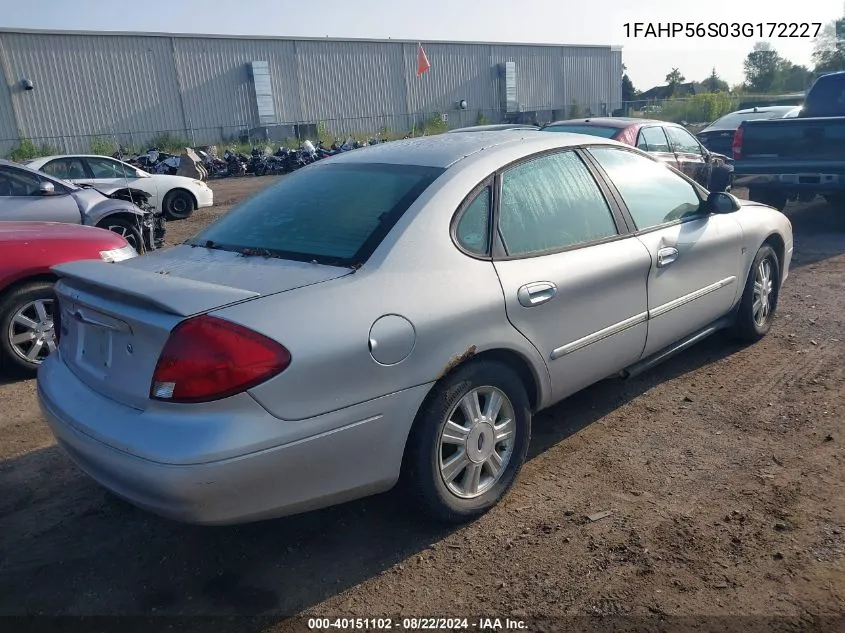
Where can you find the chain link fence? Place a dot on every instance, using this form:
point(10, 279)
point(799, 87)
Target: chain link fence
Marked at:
point(695, 111)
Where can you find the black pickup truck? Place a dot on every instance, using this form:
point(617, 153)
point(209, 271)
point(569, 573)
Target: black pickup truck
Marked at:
point(798, 158)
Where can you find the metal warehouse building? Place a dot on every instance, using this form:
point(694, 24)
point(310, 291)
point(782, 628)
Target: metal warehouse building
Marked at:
point(63, 89)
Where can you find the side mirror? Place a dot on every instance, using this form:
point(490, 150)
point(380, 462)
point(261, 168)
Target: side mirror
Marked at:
point(47, 188)
point(139, 173)
point(722, 202)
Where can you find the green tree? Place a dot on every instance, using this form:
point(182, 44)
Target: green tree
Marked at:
point(714, 83)
point(829, 48)
point(792, 78)
point(674, 79)
point(763, 66)
point(629, 93)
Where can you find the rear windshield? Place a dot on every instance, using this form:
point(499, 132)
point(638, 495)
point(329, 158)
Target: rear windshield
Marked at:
point(733, 121)
point(592, 130)
point(334, 214)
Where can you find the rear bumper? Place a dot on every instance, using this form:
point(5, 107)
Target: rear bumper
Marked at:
point(821, 182)
point(357, 452)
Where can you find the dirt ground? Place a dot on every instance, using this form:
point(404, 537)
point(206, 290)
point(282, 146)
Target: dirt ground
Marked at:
point(723, 472)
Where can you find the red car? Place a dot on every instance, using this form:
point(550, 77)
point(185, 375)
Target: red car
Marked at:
point(669, 142)
point(27, 251)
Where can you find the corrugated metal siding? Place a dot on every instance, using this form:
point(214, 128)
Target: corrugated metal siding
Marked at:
point(344, 83)
point(135, 86)
point(86, 86)
point(8, 125)
point(217, 90)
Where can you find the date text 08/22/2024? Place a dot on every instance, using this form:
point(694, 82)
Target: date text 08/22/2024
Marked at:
point(722, 29)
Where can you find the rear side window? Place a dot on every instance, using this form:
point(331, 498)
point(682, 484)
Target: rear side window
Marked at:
point(591, 130)
point(550, 203)
point(333, 214)
point(653, 139)
point(473, 230)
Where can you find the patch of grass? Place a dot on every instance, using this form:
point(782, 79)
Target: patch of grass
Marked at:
point(102, 146)
point(167, 142)
point(27, 150)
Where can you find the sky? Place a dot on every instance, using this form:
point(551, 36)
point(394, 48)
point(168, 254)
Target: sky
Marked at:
point(648, 59)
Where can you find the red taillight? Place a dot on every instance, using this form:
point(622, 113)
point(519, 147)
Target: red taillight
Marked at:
point(207, 358)
point(737, 144)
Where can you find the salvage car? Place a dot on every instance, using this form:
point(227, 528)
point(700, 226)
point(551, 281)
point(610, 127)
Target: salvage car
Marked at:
point(453, 285)
point(671, 143)
point(29, 195)
point(176, 196)
point(27, 306)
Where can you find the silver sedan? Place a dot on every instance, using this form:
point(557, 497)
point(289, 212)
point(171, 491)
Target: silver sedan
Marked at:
point(395, 313)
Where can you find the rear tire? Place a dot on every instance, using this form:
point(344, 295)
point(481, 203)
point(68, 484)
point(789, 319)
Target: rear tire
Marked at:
point(773, 198)
point(760, 297)
point(469, 442)
point(27, 326)
point(130, 231)
point(178, 205)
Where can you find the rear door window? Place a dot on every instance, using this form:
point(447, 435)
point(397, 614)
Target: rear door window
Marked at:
point(551, 203)
point(653, 139)
point(65, 169)
point(334, 214)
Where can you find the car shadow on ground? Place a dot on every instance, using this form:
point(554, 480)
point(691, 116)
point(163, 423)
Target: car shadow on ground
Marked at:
point(67, 546)
point(819, 231)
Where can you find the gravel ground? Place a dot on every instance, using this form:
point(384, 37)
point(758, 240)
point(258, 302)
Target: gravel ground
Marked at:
point(722, 472)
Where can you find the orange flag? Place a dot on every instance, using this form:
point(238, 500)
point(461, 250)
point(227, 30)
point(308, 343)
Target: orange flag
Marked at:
point(422, 61)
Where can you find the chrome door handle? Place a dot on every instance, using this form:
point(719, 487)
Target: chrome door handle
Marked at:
point(666, 256)
point(537, 293)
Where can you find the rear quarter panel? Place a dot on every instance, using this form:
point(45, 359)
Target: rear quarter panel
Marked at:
point(454, 302)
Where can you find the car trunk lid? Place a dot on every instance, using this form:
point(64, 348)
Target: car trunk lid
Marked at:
point(115, 319)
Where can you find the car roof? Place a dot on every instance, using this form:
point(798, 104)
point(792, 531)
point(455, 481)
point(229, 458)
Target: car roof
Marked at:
point(444, 150)
point(620, 122)
point(44, 159)
point(496, 127)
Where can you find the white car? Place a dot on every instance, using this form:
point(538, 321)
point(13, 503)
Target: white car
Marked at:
point(176, 196)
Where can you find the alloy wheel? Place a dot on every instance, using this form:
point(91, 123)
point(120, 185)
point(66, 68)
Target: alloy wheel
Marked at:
point(31, 331)
point(762, 298)
point(477, 441)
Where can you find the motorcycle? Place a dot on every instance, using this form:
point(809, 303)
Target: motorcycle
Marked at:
point(236, 163)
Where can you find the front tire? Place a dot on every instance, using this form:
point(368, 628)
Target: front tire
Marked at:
point(130, 231)
point(469, 442)
point(27, 336)
point(178, 205)
point(759, 299)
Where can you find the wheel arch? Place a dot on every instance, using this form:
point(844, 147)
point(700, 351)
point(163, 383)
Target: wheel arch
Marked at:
point(180, 190)
point(513, 359)
point(46, 277)
point(775, 240)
